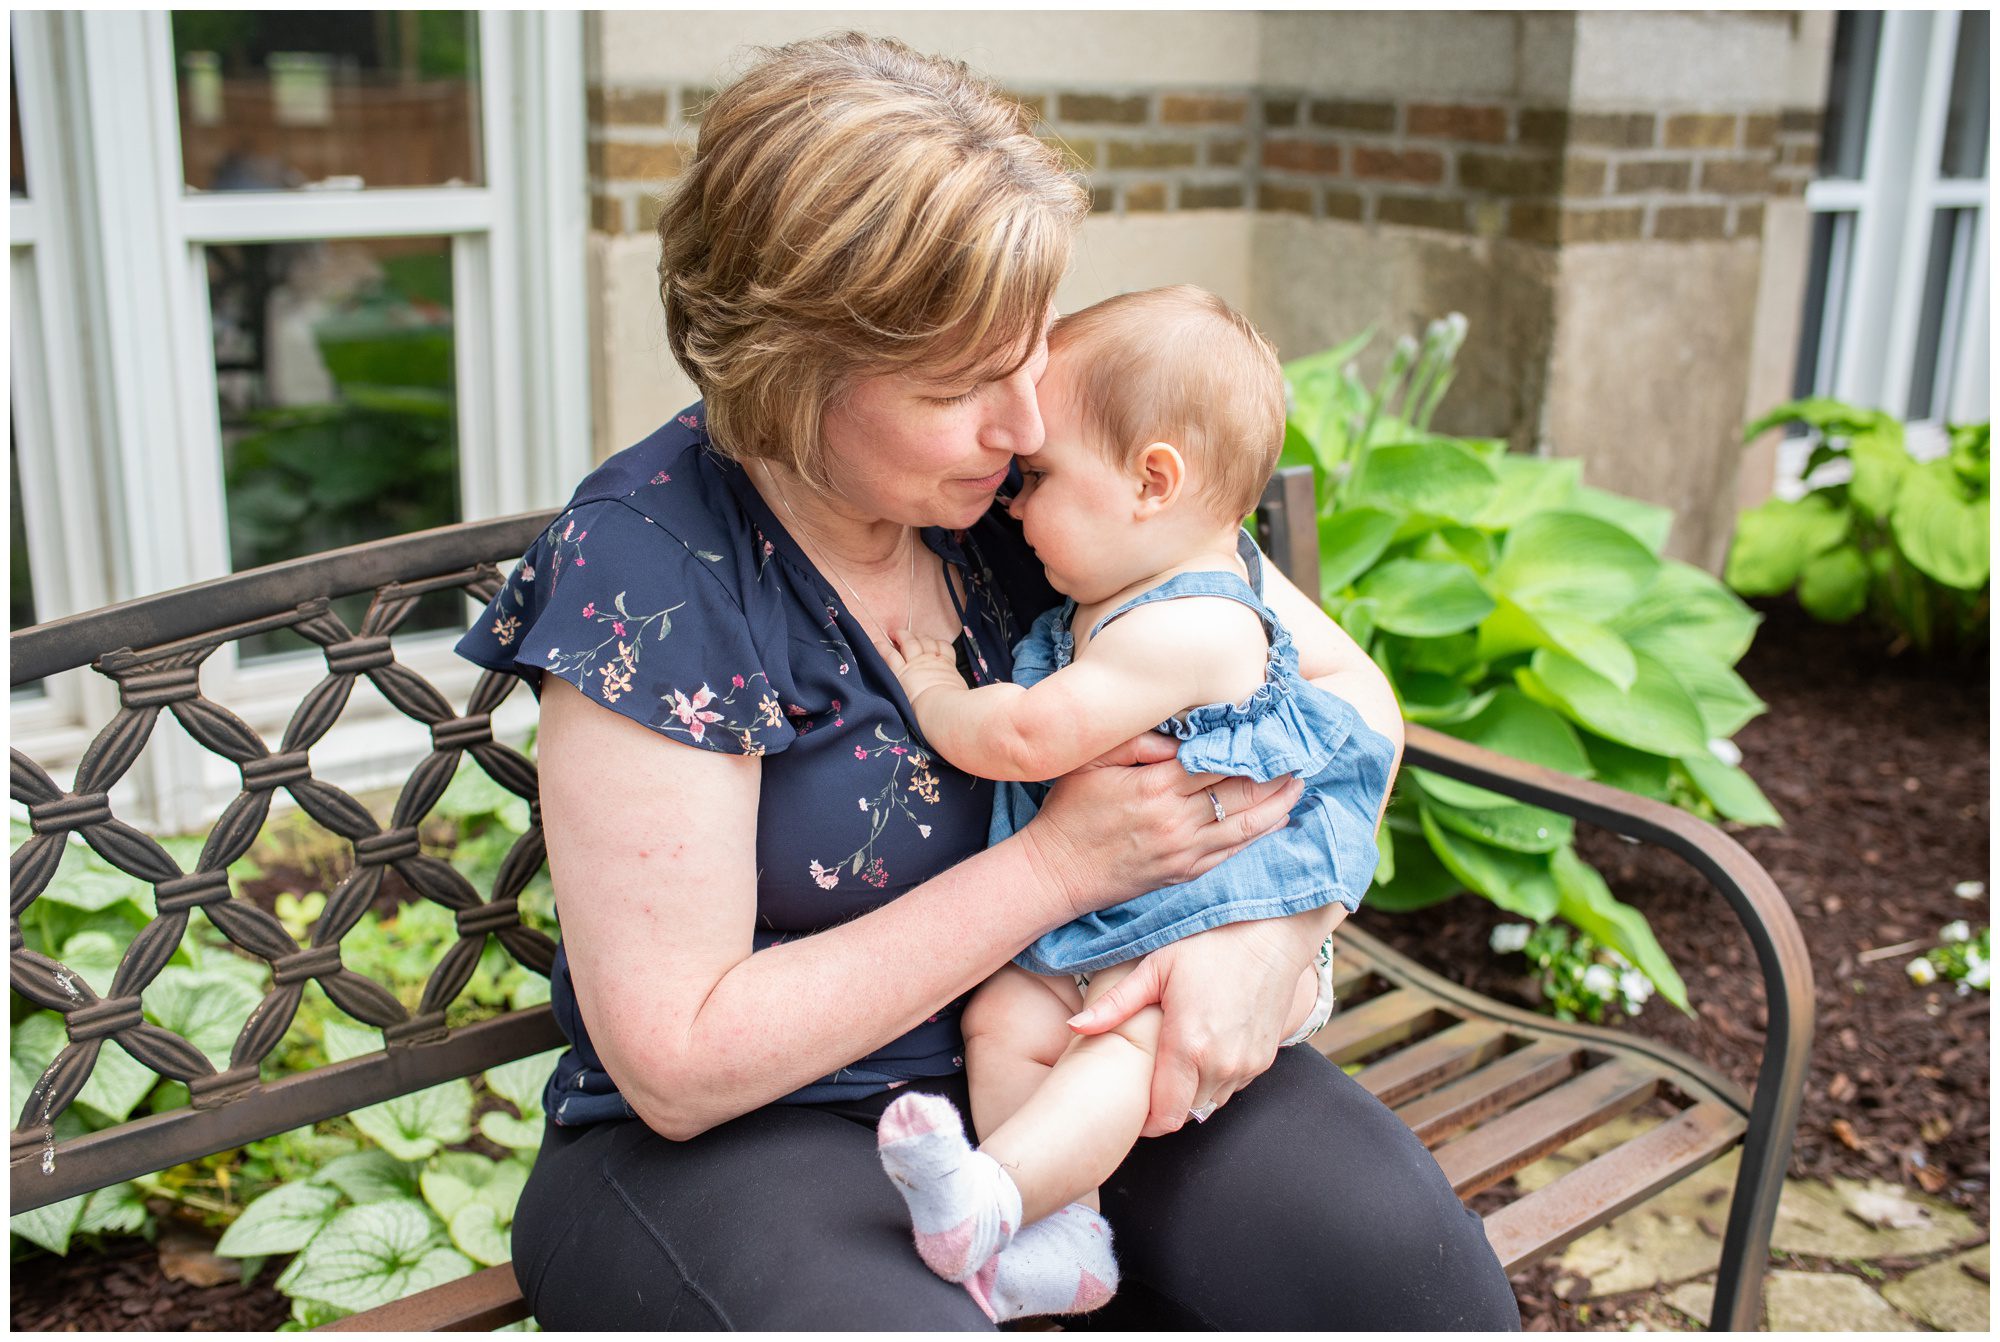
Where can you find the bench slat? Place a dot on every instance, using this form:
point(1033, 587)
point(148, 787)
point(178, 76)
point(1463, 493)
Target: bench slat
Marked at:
point(1495, 1150)
point(1528, 1071)
point(1349, 973)
point(1444, 1056)
point(1593, 1193)
point(1376, 1023)
point(478, 1303)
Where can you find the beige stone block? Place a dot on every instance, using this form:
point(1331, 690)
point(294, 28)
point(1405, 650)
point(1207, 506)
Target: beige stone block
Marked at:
point(1681, 222)
point(1584, 175)
point(1636, 178)
point(1177, 109)
point(1282, 111)
point(1547, 127)
point(1537, 221)
point(1615, 224)
point(1736, 176)
point(1227, 153)
point(1700, 130)
point(1947, 1296)
point(628, 107)
point(1211, 196)
point(1420, 166)
point(1760, 130)
point(643, 162)
point(1078, 153)
point(1612, 130)
point(1103, 199)
point(1142, 196)
point(1484, 125)
point(694, 100)
point(1827, 1302)
point(1294, 155)
point(1036, 104)
point(1340, 114)
point(635, 383)
point(607, 214)
point(1117, 254)
point(1429, 55)
point(1340, 204)
point(1749, 222)
point(1687, 58)
point(1101, 107)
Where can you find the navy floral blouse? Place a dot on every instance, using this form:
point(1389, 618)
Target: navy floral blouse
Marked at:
point(668, 591)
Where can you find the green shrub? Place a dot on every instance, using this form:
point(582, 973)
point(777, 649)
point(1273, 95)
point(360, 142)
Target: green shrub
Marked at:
point(1515, 607)
point(1903, 542)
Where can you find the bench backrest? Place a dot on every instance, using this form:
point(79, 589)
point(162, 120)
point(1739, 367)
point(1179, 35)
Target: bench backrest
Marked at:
point(153, 650)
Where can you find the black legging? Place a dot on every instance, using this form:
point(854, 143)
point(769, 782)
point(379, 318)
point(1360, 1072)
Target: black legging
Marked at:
point(1303, 1204)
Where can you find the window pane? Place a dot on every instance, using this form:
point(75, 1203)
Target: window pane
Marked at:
point(273, 101)
point(1857, 37)
point(21, 603)
point(1965, 119)
point(334, 372)
point(17, 177)
point(1943, 313)
point(1826, 299)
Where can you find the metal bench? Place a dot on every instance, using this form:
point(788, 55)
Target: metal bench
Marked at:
point(1488, 1087)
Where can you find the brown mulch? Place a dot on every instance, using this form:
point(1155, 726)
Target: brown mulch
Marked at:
point(1880, 766)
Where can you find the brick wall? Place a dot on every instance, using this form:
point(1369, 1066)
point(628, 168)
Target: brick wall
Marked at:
point(1492, 169)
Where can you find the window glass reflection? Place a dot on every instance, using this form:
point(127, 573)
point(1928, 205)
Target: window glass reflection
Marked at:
point(336, 394)
point(1857, 36)
point(349, 99)
point(1971, 89)
point(20, 581)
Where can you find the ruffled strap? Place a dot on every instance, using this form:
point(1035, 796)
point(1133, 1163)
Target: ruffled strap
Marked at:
point(1297, 729)
point(1047, 647)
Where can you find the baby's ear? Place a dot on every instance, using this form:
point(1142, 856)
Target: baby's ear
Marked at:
point(1162, 473)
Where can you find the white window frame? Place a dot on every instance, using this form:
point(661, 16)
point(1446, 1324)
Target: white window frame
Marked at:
point(1874, 303)
point(519, 293)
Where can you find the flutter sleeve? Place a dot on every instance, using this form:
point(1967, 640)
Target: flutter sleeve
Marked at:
point(619, 607)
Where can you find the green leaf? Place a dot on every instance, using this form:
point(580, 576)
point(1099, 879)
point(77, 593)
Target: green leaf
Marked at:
point(1429, 697)
point(1515, 725)
point(86, 881)
point(1572, 564)
point(1511, 629)
point(208, 1010)
point(373, 1254)
point(1466, 546)
point(482, 1234)
point(1833, 587)
point(458, 1178)
point(283, 1220)
point(370, 1176)
point(1656, 714)
point(1350, 542)
point(1438, 478)
point(1945, 535)
point(1529, 485)
point(1820, 412)
point(49, 1227)
point(1420, 880)
point(520, 1082)
point(1514, 825)
point(1685, 606)
point(1423, 599)
point(1882, 465)
point(1722, 698)
point(516, 1134)
point(345, 1040)
point(1517, 882)
point(1776, 538)
point(1647, 523)
point(117, 1210)
point(1730, 790)
point(410, 1127)
point(117, 1083)
point(1588, 904)
point(1636, 771)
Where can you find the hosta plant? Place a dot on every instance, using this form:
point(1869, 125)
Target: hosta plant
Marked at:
point(1900, 541)
point(1516, 607)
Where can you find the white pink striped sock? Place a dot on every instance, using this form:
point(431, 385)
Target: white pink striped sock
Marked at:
point(1061, 1264)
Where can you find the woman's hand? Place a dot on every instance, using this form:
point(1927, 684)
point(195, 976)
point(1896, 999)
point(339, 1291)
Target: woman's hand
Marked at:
point(1226, 994)
point(1134, 820)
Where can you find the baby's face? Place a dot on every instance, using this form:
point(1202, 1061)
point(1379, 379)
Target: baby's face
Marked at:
point(1075, 508)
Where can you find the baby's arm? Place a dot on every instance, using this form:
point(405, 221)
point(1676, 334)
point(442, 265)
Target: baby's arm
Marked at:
point(1138, 672)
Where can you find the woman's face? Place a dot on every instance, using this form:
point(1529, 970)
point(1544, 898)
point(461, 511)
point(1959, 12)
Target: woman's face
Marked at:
point(907, 447)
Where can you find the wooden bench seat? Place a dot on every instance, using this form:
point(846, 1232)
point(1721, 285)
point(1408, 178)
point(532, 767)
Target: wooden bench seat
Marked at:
point(1489, 1088)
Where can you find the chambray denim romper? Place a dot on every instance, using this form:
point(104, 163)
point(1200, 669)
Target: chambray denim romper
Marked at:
point(1287, 725)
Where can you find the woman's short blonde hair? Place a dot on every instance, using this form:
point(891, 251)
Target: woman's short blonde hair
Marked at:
point(1180, 366)
point(854, 208)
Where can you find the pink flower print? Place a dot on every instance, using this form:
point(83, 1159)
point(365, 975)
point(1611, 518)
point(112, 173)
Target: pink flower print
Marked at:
point(579, 540)
point(795, 710)
point(590, 610)
point(840, 722)
point(823, 878)
point(569, 529)
point(690, 711)
point(843, 665)
point(736, 682)
point(768, 548)
point(689, 420)
point(836, 705)
point(924, 830)
point(662, 478)
point(876, 874)
point(618, 628)
point(527, 573)
point(897, 750)
point(579, 561)
point(860, 753)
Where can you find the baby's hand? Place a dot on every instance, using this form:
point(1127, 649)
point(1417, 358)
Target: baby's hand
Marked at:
point(923, 663)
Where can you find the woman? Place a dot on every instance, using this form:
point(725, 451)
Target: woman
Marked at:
point(766, 935)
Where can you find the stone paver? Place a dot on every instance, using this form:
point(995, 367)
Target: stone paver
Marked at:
point(1827, 1302)
point(1820, 1221)
point(1947, 1297)
point(1641, 1249)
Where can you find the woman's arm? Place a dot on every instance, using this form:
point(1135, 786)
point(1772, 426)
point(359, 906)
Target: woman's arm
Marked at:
point(656, 881)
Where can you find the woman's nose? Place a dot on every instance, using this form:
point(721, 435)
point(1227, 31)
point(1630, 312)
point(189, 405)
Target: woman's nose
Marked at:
point(1017, 422)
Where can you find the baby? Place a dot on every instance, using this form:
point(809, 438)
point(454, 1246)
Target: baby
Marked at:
point(1165, 412)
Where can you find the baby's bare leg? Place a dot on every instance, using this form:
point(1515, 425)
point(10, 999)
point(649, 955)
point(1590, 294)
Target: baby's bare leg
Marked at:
point(1014, 1029)
point(1077, 1126)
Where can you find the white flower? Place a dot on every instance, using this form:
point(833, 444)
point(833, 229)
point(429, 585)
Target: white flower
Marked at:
point(1599, 981)
point(1922, 972)
point(1636, 987)
point(1969, 889)
point(1958, 931)
point(1977, 971)
point(1510, 937)
point(1725, 750)
point(862, 802)
point(924, 830)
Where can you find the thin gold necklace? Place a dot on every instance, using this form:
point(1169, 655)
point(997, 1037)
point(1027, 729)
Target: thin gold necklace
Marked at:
point(909, 538)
